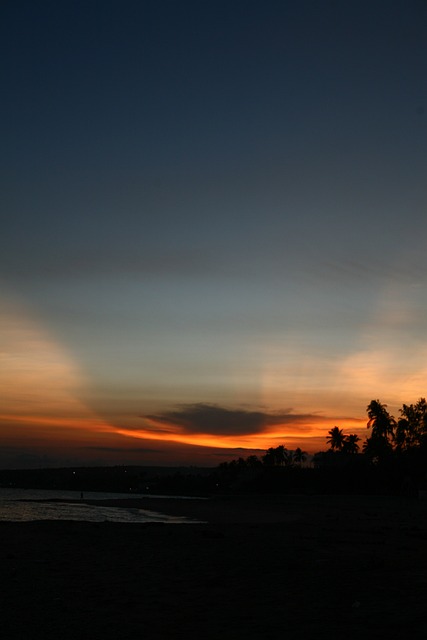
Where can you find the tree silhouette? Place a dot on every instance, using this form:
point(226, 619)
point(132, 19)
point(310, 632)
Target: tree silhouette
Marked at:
point(278, 456)
point(393, 451)
point(350, 443)
point(281, 455)
point(300, 456)
point(253, 461)
point(411, 430)
point(269, 458)
point(336, 439)
point(380, 421)
point(380, 443)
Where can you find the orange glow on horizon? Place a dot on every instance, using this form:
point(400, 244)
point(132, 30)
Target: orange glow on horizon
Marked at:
point(85, 423)
point(281, 434)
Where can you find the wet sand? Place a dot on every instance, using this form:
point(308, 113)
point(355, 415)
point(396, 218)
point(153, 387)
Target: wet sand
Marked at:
point(267, 567)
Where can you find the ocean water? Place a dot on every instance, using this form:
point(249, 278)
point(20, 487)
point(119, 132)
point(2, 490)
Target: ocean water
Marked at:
point(16, 505)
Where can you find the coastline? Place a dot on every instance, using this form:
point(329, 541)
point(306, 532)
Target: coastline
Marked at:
point(263, 509)
point(215, 510)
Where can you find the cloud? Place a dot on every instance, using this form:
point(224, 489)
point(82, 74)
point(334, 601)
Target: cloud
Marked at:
point(215, 420)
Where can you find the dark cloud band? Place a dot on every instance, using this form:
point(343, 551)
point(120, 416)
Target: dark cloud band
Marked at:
point(216, 420)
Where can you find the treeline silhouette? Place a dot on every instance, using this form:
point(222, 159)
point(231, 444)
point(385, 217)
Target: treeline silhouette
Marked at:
point(391, 460)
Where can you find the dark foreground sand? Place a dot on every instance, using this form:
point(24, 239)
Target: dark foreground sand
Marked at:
point(272, 567)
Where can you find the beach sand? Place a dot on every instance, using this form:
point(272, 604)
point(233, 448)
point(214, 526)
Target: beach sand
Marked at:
point(259, 567)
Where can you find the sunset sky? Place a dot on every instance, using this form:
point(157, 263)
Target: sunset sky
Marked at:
point(214, 225)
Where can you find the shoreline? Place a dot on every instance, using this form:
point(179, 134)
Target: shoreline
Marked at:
point(261, 509)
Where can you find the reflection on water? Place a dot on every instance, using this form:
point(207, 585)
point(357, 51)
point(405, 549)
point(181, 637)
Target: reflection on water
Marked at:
point(16, 506)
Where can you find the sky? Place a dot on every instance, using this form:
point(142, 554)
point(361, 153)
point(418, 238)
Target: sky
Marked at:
point(213, 234)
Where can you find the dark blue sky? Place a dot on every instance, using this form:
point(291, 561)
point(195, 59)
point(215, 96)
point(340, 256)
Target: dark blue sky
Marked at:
point(217, 202)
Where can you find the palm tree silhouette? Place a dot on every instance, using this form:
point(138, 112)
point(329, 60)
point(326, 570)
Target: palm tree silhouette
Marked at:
point(300, 456)
point(380, 421)
point(281, 455)
point(272, 457)
point(350, 443)
point(380, 443)
point(336, 439)
point(278, 456)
